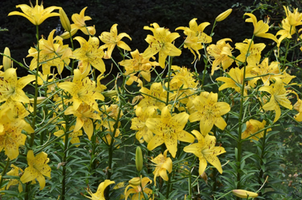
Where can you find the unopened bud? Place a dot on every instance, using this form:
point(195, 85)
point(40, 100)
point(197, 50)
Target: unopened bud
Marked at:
point(64, 20)
point(67, 34)
point(139, 159)
point(136, 181)
point(39, 100)
point(7, 62)
point(244, 193)
point(223, 15)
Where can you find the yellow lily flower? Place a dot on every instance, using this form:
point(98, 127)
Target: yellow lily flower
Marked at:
point(286, 32)
point(112, 39)
point(206, 151)
point(79, 23)
point(82, 90)
point(235, 81)
point(273, 70)
point(37, 168)
point(36, 15)
point(52, 53)
point(260, 27)
point(11, 87)
point(89, 54)
point(163, 164)
point(253, 126)
point(99, 195)
point(183, 83)
point(138, 187)
point(278, 97)
point(220, 52)
point(168, 129)
point(161, 43)
point(294, 18)
point(139, 64)
point(84, 114)
point(15, 171)
point(138, 123)
point(298, 107)
point(156, 96)
point(195, 36)
point(73, 135)
point(252, 50)
point(208, 111)
point(11, 136)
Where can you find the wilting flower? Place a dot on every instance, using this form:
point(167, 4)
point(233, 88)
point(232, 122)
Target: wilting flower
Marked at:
point(260, 27)
point(253, 126)
point(221, 52)
point(163, 164)
point(168, 129)
point(244, 194)
point(36, 15)
point(37, 168)
point(195, 36)
point(99, 195)
point(161, 43)
point(112, 39)
point(249, 51)
point(206, 151)
point(208, 111)
point(278, 97)
point(138, 188)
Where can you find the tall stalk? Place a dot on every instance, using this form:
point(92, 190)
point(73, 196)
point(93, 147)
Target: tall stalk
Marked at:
point(241, 119)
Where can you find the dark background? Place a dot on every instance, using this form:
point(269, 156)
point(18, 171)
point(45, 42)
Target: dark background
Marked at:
point(131, 16)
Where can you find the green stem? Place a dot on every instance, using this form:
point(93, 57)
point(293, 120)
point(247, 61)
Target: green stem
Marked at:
point(261, 173)
point(169, 78)
point(64, 159)
point(168, 186)
point(240, 120)
point(36, 89)
point(4, 172)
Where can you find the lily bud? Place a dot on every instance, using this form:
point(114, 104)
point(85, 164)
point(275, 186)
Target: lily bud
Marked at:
point(7, 62)
point(73, 31)
point(64, 20)
point(135, 181)
point(139, 159)
point(223, 15)
point(244, 194)
point(39, 100)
